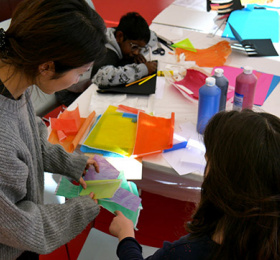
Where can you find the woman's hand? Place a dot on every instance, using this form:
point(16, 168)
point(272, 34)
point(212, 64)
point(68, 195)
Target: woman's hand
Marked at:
point(90, 162)
point(92, 197)
point(121, 226)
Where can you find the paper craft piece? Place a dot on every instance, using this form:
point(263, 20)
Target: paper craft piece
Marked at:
point(215, 55)
point(106, 170)
point(67, 189)
point(154, 134)
point(193, 80)
point(126, 199)
point(113, 133)
point(184, 44)
point(71, 141)
point(61, 136)
point(102, 188)
point(112, 206)
point(254, 24)
point(263, 83)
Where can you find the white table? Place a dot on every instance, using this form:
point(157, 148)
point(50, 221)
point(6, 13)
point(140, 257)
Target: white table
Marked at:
point(158, 177)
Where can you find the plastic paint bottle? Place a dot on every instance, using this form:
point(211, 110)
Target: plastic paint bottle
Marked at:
point(222, 83)
point(208, 103)
point(245, 87)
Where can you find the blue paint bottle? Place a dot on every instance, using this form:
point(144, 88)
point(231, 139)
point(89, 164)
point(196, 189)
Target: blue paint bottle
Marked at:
point(208, 103)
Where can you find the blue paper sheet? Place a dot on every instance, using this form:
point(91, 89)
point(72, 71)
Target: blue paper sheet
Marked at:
point(254, 24)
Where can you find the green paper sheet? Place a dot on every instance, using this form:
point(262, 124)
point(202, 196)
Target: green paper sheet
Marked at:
point(102, 188)
point(184, 44)
point(68, 189)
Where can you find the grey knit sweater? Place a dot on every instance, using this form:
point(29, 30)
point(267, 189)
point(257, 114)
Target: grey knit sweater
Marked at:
point(25, 222)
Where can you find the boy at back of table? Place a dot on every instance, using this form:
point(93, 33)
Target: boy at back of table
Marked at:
point(124, 61)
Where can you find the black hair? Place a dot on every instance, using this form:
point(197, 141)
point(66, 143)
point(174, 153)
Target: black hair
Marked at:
point(134, 27)
point(69, 33)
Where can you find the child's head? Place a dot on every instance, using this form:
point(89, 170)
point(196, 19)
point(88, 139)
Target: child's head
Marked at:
point(132, 34)
point(240, 194)
point(65, 34)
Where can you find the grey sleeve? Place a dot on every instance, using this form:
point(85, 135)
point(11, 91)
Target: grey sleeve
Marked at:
point(43, 228)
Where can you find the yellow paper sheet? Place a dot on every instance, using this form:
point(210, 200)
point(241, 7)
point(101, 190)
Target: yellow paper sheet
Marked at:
point(102, 188)
point(113, 133)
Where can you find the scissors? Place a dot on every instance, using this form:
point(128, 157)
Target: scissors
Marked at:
point(159, 50)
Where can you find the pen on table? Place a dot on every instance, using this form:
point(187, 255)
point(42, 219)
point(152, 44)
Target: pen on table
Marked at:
point(176, 147)
point(140, 83)
point(136, 81)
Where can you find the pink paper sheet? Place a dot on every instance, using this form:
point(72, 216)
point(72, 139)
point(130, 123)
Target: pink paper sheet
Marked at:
point(263, 84)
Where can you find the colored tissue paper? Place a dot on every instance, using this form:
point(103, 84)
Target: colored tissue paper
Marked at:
point(215, 55)
point(154, 134)
point(184, 44)
point(67, 189)
point(63, 134)
point(101, 188)
point(193, 80)
point(106, 170)
point(113, 133)
point(113, 206)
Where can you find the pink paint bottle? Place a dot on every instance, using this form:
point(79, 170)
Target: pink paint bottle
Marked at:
point(245, 87)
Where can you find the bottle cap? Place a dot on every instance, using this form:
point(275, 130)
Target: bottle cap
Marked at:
point(210, 81)
point(247, 70)
point(219, 72)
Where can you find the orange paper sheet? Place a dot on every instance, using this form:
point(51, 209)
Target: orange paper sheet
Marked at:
point(154, 134)
point(213, 56)
point(71, 141)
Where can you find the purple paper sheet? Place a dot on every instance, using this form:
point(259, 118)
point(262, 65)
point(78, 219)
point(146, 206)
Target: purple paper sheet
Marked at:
point(126, 199)
point(106, 170)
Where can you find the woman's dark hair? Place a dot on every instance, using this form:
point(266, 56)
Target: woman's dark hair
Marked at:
point(134, 27)
point(240, 194)
point(68, 32)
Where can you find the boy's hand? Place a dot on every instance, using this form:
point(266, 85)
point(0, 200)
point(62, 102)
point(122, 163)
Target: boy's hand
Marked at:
point(139, 59)
point(152, 66)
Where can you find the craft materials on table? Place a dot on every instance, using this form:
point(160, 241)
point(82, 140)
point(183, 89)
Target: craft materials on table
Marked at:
point(129, 135)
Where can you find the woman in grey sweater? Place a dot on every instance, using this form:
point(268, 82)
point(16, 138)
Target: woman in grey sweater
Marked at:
point(48, 44)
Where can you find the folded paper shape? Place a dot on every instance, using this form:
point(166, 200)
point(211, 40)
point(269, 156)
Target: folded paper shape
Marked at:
point(70, 141)
point(193, 80)
point(254, 24)
point(184, 44)
point(215, 55)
